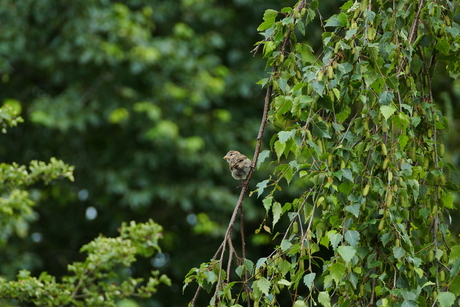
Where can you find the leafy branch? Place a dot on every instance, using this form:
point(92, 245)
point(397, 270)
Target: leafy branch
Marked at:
point(94, 282)
point(359, 135)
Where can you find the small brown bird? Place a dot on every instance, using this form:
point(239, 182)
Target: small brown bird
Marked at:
point(239, 164)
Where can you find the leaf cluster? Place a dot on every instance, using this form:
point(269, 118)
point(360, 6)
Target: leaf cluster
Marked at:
point(9, 117)
point(98, 280)
point(15, 202)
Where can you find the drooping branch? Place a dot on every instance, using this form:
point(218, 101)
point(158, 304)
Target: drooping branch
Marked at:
point(239, 205)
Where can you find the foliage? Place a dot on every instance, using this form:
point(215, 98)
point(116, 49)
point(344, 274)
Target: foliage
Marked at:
point(15, 203)
point(144, 98)
point(9, 117)
point(359, 133)
point(95, 281)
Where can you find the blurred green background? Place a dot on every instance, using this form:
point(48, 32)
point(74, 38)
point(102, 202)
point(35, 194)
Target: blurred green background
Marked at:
point(144, 98)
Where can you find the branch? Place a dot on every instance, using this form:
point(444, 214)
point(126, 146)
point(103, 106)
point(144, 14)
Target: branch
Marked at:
point(239, 204)
point(412, 34)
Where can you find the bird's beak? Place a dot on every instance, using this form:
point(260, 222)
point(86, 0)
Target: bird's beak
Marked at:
point(226, 157)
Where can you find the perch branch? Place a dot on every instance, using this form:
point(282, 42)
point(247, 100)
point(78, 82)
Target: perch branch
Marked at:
point(239, 204)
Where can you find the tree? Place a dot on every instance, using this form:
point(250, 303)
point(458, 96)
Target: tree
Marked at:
point(143, 98)
point(92, 282)
point(358, 131)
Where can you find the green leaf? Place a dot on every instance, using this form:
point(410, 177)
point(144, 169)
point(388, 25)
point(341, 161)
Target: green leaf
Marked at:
point(268, 49)
point(318, 87)
point(324, 299)
point(453, 31)
point(448, 201)
point(262, 156)
point(438, 254)
point(309, 279)
point(260, 262)
point(403, 139)
point(298, 303)
point(282, 103)
point(284, 282)
point(347, 5)
point(451, 186)
point(347, 174)
point(267, 202)
point(398, 252)
point(315, 147)
point(446, 299)
point(285, 266)
point(279, 149)
point(265, 25)
point(404, 120)
point(240, 270)
point(286, 171)
point(283, 84)
point(301, 26)
point(353, 209)
point(285, 245)
point(263, 285)
point(287, 20)
point(338, 20)
point(314, 4)
point(269, 19)
point(455, 286)
point(346, 187)
point(334, 238)
point(270, 14)
point(261, 187)
point(387, 111)
point(415, 121)
point(345, 67)
point(320, 130)
point(385, 98)
point(249, 265)
point(283, 136)
point(211, 277)
point(454, 253)
point(352, 237)
point(338, 174)
point(385, 238)
point(337, 271)
point(442, 46)
point(342, 116)
point(286, 10)
point(346, 252)
point(305, 101)
point(350, 33)
point(276, 211)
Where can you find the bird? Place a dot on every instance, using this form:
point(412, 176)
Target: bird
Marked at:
point(239, 164)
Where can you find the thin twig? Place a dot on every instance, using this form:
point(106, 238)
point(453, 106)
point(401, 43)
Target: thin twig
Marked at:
point(412, 33)
point(243, 242)
point(243, 252)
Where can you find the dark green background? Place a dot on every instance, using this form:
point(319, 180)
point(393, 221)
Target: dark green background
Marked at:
point(144, 98)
